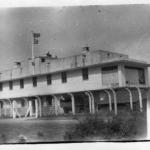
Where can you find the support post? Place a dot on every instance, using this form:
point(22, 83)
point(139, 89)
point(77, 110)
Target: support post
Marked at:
point(72, 103)
point(130, 98)
point(36, 108)
point(13, 109)
point(55, 103)
point(30, 108)
point(115, 101)
point(140, 99)
point(40, 106)
point(90, 106)
point(148, 114)
point(109, 99)
point(92, 102)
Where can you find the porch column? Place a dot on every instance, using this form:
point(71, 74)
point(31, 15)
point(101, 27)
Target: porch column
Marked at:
point(92, 102)
point(130, 98)
point(109, 99)
point(72, 103)
point(89, 96)
point(55, 104)
point(121, 75)
point(148, 114)
point(115, 101)
point(140, 99)
point(36, 108)
point(30, 108)
point(13, 109)
point(40, 106)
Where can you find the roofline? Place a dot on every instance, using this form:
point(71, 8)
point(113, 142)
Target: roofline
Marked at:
point(117, 61)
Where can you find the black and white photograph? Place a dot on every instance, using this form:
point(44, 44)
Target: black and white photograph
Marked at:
point(71, 74)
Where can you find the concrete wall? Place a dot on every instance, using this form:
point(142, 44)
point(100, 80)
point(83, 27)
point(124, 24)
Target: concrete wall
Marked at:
point(52, 65)
point(74, 83)
point(97, 80)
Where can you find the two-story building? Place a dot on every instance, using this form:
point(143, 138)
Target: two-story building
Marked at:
point(94, 81)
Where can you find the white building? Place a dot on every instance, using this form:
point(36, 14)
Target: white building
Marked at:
point(91, 82)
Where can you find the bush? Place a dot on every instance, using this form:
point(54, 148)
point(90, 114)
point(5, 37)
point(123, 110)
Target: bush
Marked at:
point(3, 138)
point(40, 134)
point(21, 139)
point(114, 127)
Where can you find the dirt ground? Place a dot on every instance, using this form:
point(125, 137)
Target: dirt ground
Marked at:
point(33, 130)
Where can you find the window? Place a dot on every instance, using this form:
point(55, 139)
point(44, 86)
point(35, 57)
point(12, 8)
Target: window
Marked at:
point(63, 77)
point(1, 86)
point(10, 85)
point(135, 75)
point(49, 79)
point(34, 81)
point(21, 83)
point(85, 74)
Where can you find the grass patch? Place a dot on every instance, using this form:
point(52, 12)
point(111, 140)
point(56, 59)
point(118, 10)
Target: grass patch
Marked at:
point(40, 134)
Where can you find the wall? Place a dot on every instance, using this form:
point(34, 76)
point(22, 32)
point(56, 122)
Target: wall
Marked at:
point(74, 83)
point(52, 64)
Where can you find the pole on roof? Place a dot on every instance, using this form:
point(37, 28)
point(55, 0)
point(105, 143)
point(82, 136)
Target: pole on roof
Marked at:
point(32, 49)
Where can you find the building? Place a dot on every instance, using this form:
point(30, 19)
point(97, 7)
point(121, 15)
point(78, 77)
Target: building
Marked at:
point(91, 82)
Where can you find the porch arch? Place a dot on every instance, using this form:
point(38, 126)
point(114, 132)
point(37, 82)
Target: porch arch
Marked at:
point(55, 104)
point(39, 107)
point(140, 98)
point(73, 102)
point(109, 99)
point(92, 102)
point(130, 97)
point(115, 101)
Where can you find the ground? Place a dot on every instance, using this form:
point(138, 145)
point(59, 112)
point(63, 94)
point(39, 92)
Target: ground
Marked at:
point(40, 130)
point(54, 129)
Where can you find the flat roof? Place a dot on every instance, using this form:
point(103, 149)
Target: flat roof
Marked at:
point(93, 58)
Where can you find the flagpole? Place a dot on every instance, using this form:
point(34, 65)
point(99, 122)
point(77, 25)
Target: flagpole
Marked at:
point(32, 47)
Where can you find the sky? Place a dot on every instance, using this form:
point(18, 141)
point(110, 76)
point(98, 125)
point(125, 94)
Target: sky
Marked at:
point(65, 30)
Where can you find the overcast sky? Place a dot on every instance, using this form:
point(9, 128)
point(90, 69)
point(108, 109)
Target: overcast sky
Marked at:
point(64, 30)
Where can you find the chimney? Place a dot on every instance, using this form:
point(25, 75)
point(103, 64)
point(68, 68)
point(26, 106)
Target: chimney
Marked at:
point(17, 64)
point(85, 50)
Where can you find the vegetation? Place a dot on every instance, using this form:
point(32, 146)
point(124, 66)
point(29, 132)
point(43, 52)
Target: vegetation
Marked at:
point(112, 128)
point(21, 139)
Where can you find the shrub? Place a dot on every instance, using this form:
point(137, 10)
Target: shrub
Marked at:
point(22, 139)
point(4, 138)
point(114, 127)
point(40, 134)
